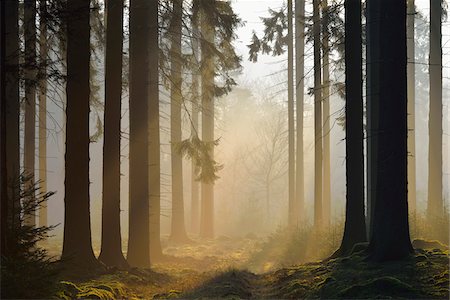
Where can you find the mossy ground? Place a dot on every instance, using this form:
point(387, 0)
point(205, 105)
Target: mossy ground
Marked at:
point(218, 269)
point(422, 276)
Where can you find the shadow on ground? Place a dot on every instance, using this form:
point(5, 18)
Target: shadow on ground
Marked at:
point(422, 276)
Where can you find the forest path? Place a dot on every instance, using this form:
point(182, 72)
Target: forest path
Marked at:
point(225, 268)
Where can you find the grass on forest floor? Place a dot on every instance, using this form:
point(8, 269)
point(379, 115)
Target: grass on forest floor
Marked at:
point(184, 268)
point(423, 275)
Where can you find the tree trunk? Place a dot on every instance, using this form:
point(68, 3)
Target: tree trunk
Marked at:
point(77, 246)
point(30, 99)
point(12, 52)
point(43, 53)
point(195, 209)
point(355, 227)
point(390, 233)
point(154, 168)
point(293, 216)
point(435, 200)
point(3, 193)
point(178, 231)
point(411, 69)
point(317, 118)
point(138, 254)
point(207, 189)
point(326, 200)
point(299, 93)
point(372, 71)
point(111, 248)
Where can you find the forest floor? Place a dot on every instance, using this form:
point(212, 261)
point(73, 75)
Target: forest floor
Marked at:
point(241, 268)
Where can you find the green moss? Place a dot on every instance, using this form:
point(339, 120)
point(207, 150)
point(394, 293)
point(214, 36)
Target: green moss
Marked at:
point(233, 284)
point(91, 290)
point(421, 257)
point(326, 281)
point(385, 286)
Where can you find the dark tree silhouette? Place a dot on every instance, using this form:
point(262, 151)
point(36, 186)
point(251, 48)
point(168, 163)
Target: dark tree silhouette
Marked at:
point(387, 41)
point(138, 254)
point(317, 117)
point(372, 37)
point(29, 25)
point(178, 230)
point(435, 199)
point(43, 53)
point(355, 227)
point(111, 249)
point(12, 107)
point(3, 195)
point(77, 245)
point(153, 134)
point(299, 98)
point(326, 130)
point(293, 207)
point(411, 69)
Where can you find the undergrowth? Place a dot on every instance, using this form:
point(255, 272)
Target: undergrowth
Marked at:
point(26, 269)
point(424, 275)
point(300, 245)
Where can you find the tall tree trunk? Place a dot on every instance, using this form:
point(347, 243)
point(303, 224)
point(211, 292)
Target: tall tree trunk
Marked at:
point(326, 200)
point(317, 118)
point(154, 168)
point(299, 93)
point(372, 71)
point(43, 53)
point(355, 227)
point(195, 209)
point(3, 182)
point(390, 233)
point(293, 215)
point(30, 98)
point(12, 51)
point(411, 106)
point(435, 200)
point(111, 249)
point(77, 245)
point(138, 254)
point(207, 188)
point(178, 231)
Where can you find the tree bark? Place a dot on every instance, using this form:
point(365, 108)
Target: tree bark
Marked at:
point(299, 93)
point(372, 71)
point(355, 227)
point(154, 168)
point(3, 193)
point(178, 230)
point(293, 216)
point(43, 53)
point(435, 200)
point(12, 51)
point(77, 245)
point(317, 118)
point(390, 233)
point(138, 254)
point(326, 200)
point(30, 100)
point(111, 248)
point(207, 189)
point(195, 209)
point(411, 106)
